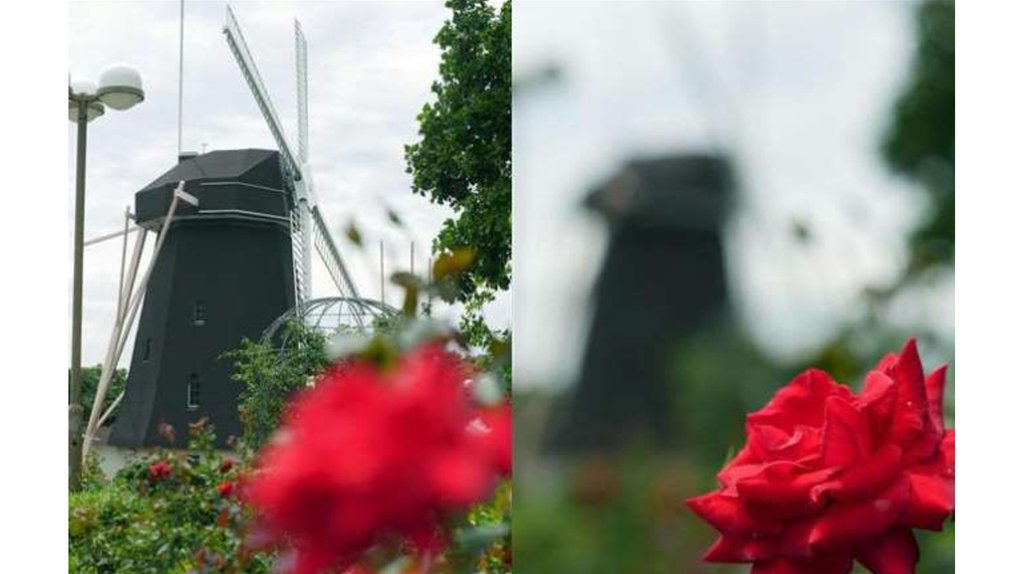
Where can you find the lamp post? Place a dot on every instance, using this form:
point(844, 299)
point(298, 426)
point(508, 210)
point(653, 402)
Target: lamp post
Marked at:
point(120, 88)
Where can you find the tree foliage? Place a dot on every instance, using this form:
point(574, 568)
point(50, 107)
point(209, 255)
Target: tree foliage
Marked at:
point(272, 371)
point(90, 382)
point(919, 142)
point(464, 157)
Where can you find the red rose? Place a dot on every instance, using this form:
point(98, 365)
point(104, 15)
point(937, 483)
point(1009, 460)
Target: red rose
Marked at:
point(226, 465)
point(828, 476)
point(495, 426)
point(159, 471)
point(368, 456)
point(226, 488)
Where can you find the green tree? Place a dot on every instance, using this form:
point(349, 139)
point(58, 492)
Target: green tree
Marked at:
point(272, 371)
point(90, 382)
point(464, 157)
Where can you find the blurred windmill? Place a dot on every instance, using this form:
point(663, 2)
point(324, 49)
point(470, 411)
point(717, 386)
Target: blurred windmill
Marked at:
point(664, 276)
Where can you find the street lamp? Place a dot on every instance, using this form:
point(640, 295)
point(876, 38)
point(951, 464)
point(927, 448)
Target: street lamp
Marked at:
point(120, 88)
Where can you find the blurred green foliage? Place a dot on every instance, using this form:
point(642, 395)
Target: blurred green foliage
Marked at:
point(919, 142)
point(617, 514)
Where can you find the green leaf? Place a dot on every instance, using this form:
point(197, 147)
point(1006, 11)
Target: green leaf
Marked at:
point(353, 234)
point(394, 218)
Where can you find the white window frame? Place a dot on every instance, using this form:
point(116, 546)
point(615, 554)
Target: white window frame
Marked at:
point(192, 402)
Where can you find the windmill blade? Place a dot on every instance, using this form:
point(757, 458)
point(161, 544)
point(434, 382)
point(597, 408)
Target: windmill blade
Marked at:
point(306, 193)
point(236, 41)
point(302, 91)
point(331, 257)
point(306, 220)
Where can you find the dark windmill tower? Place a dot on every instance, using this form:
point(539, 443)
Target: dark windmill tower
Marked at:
point(229, 267)
point(225, 272)
point(662, 278)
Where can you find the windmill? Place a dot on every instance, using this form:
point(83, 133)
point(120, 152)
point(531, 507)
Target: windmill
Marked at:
point(235, 259)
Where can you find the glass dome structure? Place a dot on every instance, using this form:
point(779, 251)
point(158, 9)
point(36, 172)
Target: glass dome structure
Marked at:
point(329, 315)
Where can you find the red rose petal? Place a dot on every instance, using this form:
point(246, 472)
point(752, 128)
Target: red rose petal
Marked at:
point(498, 438)
point(459, 478)
point(935, 388)
point(931, 502)
point(800, 402)
point(862, 480)
point(729, 516)
point(847, 525)
point(782, 484)
point(746, 455)
point(911, 401)
point(876, 384)
point(895, 553)
point(846, 437)
point(934, 428)
point(879, 403)
point(947, 450)
point(766, 440)
point(733, 549)
point(830, 564)
point(730, 475)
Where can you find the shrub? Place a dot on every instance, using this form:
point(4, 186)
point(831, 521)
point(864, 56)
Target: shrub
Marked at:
point(163, 513)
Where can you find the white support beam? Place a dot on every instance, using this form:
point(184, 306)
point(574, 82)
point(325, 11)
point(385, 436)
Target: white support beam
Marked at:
point(109, 236)
point(121, 328)
point(124, 253)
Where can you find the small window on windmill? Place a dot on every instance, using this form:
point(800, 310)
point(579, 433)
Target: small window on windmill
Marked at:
point(192, 399)
point(199, 313)
point(147, 348)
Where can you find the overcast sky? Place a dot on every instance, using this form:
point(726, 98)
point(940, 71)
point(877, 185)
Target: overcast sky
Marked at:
point(800, 91)
point(797, 92)
point(371, 65)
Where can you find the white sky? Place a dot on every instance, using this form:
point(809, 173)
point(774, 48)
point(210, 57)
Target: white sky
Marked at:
point(371, 65)
point(801, 89)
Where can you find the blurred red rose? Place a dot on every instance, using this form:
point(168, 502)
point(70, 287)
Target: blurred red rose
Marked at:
point(829, 476)
point(158, 471)
point(226, 488)
point(226, 465)
point(368, 456)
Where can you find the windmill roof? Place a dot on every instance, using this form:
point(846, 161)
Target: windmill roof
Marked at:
point(684, 190)
point(242, 165)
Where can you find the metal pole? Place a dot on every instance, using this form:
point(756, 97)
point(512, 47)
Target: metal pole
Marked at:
point(75, 406)
point(181, 71)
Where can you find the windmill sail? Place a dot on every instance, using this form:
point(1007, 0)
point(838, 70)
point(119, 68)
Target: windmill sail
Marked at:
point(252, 76)
point(301, 238)
point(306, 218)
point(302, 92)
